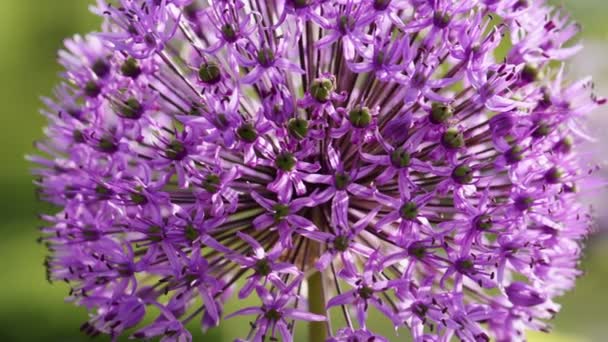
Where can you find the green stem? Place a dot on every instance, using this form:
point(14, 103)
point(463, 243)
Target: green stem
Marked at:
point(316, 301)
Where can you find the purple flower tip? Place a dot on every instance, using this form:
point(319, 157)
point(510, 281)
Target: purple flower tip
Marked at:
point(524, 295)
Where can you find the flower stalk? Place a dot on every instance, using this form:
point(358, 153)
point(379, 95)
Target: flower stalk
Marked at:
point(317, 331)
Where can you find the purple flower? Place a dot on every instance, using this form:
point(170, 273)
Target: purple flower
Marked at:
point(524, 295)
point(265, 265)
point(275, 311)
point(146, 28)
point(229, 27)
point(267, 60)
point(282, 216)
point(323, 156)
point(345, 24)
point(367, 289)
point(350, 334)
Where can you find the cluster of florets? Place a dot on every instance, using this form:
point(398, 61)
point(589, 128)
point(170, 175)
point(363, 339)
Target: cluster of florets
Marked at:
point(419, 154)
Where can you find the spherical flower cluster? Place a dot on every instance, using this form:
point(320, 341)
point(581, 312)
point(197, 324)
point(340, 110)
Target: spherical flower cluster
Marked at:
point(415, 158)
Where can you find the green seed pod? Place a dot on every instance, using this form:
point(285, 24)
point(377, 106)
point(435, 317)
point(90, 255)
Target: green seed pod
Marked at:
point(298, 128)
point(400, 158)
point(285, 161)
point(453, 139)
point(321, 89)
point(130, 68)
point(360, 117)
point(210, 73)
point(462, 174)
point(440, 113)
point(247, 133)
point(409, 211)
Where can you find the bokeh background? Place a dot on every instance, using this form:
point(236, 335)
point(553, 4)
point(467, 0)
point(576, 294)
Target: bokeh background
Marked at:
point(31, 31)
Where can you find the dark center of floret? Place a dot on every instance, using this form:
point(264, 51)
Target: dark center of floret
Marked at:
point(280, 212)
point(221, 121)
point(321, 89)
point(106, 144)
point(441, 19)
point(78, 136)
point(247, 133)
point(265, 57)
point(70, 191)
point(138, 198)
point(131, 109)
point(195, 109)
point(209, 72)
point(554, 175)
point(125, 269)
point(462, 174)
point(464, 265)
point(546, 100)
point(523, 202)
point(229, 33)
point(130, 68)
point(74, 112)
point(92, 89)
point(102, 191)
point(453, 139)
point(416, 250)
point(483, 222)
point(529, 73)
point(418, 80)
point(273, 315)
point(299, 4)
point(346, 24)
point(176, 150)
point(400, 158)
point(379, 59)
point(101, 68)
point(131, 29)
point(419, 309)
point(211, 183)
point(542, 130)
point(341, 243)
point(298, 128)
point(409, 211)
point(440, 113)
point(564, 146)
point(570, 187)
point(341, 180)
point(365, 292)
point(285, 161)
point(262, 267)
point(360, 117)
point(514, 154)
point(191, 233)
point(519, 4)
point(150, 39)
point(381, 5)
point(90, 234)
point(155, 233)
point(190, 11)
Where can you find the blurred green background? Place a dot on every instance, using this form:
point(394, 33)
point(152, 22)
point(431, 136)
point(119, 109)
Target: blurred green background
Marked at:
point(33, 310)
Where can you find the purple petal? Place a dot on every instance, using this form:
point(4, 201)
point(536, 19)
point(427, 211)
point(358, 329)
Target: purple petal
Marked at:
point(303, 315)
point(524, 295)
point(258, 250)
point(252, 310)
point(342, 299)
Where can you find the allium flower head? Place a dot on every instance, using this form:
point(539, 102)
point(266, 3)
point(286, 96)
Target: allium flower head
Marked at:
point(416, 158)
